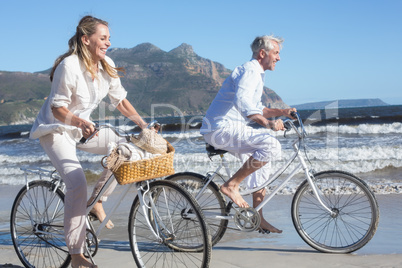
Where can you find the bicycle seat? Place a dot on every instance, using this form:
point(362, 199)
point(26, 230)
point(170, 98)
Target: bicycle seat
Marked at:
point(211, 151)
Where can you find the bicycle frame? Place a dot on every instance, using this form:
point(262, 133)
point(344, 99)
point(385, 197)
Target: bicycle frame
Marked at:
point(56, 180)
point(139, 186)
point(58, 183)
point(157, 211)
point(302, 165)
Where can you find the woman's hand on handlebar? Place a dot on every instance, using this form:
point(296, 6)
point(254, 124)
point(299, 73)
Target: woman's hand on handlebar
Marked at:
point(87, 128)
point(156, 128)
point(154, 125)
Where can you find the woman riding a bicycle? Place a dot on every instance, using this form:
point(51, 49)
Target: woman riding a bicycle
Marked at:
point(225, 123)
point(81, 78)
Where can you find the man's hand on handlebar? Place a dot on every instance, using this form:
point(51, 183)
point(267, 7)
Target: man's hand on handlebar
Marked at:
point(291, 113)
point(276, 125)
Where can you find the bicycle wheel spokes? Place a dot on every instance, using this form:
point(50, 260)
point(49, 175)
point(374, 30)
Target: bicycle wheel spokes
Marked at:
point(182, 235)
point(211, 201)
point(36, 223)
point(354, 219)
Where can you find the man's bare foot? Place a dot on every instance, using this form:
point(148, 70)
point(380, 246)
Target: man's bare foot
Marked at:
point(267, 226)
point(79, 261)
point(98, 211)
point(234, 195)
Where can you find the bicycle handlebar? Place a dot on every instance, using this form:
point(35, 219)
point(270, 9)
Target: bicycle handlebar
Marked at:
point(98, 127)
point(289, 125)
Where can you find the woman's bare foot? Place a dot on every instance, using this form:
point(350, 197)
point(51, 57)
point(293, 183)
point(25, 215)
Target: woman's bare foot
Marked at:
point(79, 261)
point(98, 211)
point(234, 195)
point(267, 226)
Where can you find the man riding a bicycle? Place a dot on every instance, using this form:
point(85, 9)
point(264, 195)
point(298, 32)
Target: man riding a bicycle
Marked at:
point(225, 125)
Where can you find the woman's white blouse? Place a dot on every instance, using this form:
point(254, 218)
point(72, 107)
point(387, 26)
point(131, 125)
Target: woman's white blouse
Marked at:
point(74, 88)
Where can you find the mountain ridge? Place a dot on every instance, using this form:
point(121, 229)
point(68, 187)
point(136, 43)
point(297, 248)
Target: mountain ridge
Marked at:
point(159, 83)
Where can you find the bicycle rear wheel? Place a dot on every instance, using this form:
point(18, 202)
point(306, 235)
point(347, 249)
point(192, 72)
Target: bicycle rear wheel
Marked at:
point(37, 226)
point(177, 235)
point(355, 217)
point(211, 201)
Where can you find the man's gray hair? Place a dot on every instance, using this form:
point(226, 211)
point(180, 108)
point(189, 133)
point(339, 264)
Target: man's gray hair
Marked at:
point(265, 42)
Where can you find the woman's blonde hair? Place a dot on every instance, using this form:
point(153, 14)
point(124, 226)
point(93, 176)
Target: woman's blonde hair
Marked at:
point(86, 26)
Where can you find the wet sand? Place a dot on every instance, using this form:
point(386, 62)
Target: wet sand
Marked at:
point(241, 249)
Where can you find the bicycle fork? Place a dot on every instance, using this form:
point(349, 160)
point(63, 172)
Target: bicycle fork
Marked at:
point(310, 178)
point(158, 225)
point(317, 192)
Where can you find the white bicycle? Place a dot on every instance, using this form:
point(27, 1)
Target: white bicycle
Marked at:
point(166, 225)
point(333, 211)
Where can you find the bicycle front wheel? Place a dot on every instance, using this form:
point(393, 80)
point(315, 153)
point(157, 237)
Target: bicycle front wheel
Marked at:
point(169, 230)
point(355, 214)
point(211, 201)
point(37, 226)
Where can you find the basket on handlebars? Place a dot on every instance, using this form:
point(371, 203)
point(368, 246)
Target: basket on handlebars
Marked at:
point(145, 169)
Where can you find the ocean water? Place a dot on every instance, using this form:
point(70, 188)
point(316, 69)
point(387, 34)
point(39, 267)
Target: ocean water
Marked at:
point(364, 141)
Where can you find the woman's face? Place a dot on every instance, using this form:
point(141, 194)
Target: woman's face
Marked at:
point(98, 43)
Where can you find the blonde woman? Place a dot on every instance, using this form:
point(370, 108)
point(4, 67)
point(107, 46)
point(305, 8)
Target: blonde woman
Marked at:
point(81, 78)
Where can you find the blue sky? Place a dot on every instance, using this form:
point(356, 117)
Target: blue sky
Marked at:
point(333, 49)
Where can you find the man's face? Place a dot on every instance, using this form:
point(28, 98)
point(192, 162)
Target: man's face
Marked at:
point(269, 59)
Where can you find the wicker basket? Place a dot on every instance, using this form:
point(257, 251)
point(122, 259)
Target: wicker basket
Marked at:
point(146, 169)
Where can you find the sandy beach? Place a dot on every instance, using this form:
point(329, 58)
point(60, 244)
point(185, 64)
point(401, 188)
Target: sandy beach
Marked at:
point(239, 249)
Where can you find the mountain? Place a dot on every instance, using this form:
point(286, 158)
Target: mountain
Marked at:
point(177, 82)
point(351, 103)
point(179, 77)
point(21, 95)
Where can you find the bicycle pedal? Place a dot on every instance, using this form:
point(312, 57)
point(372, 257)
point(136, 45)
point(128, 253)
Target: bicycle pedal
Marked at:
point(92, 217)
point(263, 231)
point(229, 206)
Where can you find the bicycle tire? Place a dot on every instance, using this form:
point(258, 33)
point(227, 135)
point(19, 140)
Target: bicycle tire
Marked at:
point(39, 208)
point(185, 242)
point(212, 201)
point(357, 211)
